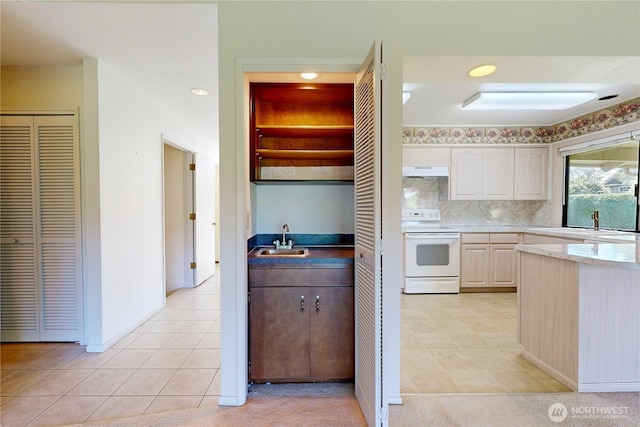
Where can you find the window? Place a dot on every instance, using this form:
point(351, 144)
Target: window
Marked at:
point(605, 179)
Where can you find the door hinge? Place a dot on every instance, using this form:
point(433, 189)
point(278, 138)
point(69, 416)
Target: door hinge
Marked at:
point(192, 216)
point(381, 247)
point(383, 414)
point(192, 166)
point(249, 367)
point(192, 265)
point(382, 71)
point(249, 297)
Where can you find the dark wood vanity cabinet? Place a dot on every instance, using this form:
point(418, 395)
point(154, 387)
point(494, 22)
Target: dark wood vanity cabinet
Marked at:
point(301, 132)
point(301, 333)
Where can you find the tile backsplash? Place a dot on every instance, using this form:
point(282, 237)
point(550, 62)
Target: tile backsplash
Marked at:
point(423, 193)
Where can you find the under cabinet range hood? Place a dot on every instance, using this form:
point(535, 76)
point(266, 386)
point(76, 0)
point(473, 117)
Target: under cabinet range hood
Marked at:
point(425, 171)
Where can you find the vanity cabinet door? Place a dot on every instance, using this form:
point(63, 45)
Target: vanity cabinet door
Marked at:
point(279, 331)
point(331, 333)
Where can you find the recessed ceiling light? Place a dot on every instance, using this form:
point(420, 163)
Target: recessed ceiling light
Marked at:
point(199, 91)
point(527, 100)
point(606, 98)
point(309, 76)
point(483, 70)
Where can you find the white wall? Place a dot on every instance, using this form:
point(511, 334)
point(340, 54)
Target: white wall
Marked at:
point(347, 30)
point(131, 125)
point(307, 209)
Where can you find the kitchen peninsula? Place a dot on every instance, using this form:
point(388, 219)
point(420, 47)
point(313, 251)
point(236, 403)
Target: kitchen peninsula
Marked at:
point(578, 313)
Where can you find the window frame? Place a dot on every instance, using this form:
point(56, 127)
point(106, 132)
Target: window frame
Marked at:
point(565, 202)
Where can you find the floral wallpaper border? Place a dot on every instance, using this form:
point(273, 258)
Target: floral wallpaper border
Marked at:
point(619, 114)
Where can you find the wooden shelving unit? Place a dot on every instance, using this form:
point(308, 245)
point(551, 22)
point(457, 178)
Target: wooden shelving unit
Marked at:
point(301, 126)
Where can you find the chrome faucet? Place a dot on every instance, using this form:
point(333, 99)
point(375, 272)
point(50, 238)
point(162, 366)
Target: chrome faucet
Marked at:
point(595, 216)
point(284, 244)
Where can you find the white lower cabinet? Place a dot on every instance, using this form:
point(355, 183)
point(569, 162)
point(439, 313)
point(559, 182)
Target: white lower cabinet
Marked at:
point(488, 260)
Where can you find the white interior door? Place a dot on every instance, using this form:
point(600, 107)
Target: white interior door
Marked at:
point(178, 244)
point(368, 262)
point(204, 204)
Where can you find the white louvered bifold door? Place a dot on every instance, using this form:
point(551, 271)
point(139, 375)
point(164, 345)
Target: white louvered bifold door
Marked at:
point(368, 280)
point(58, 204)
point(19, 292)
point(53, 278)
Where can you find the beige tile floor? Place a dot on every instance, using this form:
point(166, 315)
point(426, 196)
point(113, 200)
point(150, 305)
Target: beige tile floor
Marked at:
point(170, 362)
point(450, 344)
point(465, 343)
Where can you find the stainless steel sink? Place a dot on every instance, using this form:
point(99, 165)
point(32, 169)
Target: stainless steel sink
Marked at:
point(294, 252)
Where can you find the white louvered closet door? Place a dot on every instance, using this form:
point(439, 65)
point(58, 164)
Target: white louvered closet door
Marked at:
point(19, 293)
point(43, 286)
point(368, 274)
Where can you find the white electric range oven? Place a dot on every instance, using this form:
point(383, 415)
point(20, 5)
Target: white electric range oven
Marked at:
point(431, 253)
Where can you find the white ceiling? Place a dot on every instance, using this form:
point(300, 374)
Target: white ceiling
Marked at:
point(440, 84)
point(167, 49)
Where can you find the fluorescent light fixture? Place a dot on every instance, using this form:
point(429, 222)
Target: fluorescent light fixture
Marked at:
point(405, 97)
point(199, 91)
point(309, 76)
point(527, 100)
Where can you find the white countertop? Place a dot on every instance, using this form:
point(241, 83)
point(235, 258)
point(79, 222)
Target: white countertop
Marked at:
point(609, 248)
point(615, 255)
point(491, 228)
point(610, 236)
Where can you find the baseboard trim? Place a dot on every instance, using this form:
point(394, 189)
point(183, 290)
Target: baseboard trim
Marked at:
point(504, 289)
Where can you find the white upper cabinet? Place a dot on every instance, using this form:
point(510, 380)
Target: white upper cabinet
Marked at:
point(531, 171)
point(497, 174)
point(466, 174)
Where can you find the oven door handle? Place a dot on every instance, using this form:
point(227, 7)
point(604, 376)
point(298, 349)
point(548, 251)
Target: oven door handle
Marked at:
point(430, 236)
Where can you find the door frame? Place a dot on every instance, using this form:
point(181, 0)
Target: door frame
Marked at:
point(188, 274)
point(234, 338)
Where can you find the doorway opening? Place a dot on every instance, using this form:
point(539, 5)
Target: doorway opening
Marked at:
point(178, 238)
point(190, 200)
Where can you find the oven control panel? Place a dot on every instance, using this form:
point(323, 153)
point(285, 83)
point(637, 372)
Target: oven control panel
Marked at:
point(426, 215)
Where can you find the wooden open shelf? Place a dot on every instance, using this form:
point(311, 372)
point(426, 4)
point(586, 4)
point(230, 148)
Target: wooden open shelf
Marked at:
point(301, 125)
point(266, 153)
point(300, 131)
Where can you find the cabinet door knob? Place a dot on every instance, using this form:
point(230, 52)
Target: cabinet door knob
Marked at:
point(301, 302)
point(317, 302)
